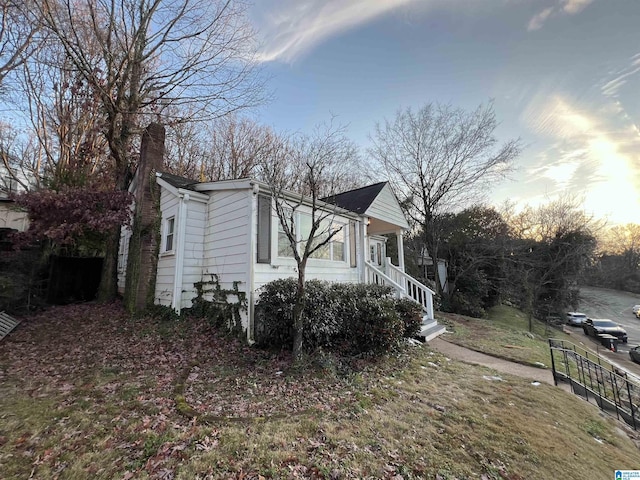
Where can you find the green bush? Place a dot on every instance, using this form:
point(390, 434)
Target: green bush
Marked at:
point(274, 313)
point(345, 317)
point(374, 326)
point(410, 313)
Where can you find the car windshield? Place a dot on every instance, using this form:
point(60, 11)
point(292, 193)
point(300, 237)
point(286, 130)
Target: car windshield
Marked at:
point(578, 315)
point(604, 323)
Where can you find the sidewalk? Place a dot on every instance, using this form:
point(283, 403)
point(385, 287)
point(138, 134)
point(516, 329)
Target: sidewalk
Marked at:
point(470, 356)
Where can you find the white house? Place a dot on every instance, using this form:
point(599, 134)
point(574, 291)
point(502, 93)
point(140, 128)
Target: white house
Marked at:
point(12, 217)
point(229, 230)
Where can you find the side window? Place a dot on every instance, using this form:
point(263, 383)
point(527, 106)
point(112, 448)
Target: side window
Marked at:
point(264, 229)
point(169, 230)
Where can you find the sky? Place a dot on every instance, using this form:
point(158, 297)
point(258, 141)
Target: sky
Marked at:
point(563, 76)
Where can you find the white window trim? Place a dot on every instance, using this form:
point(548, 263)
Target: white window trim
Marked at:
point(165, 235)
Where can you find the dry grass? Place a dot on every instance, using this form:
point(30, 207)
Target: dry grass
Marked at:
point(504, 334)
point(88, 393)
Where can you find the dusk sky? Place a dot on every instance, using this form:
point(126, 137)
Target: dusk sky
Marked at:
point(564, 76)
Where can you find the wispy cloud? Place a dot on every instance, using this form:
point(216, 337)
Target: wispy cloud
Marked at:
point(620, 77)
point(291, 28)
point(564, 7)
point(591, 154)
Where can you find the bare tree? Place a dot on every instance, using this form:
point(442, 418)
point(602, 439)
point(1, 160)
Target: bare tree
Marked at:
point(143, 56)
point(19, 161)
point(66, 118)
point(226, 148)
point(311, 164)
point(439, 159)
point(17, 32)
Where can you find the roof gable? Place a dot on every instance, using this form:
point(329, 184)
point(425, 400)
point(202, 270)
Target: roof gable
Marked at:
point(358, 200)
point(375, 201)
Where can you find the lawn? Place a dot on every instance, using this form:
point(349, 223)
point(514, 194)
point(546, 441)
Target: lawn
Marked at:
point(505, 333)
point(86, 392)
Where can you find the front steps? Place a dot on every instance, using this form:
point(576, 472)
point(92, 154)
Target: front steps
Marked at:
point(431, 329)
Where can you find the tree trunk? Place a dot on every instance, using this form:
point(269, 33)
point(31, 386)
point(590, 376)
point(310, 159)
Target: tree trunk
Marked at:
point(298, 319)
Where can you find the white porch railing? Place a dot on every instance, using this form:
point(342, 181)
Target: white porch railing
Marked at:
point(404, 285)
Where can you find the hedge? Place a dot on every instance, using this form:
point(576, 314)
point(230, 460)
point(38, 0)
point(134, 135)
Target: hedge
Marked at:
point(346, 317)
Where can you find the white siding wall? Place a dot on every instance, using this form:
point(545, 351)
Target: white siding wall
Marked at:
point(166, 261)
point(226, 242)
point(11, 217)
point(123, 255)
point(193, 252)
point(123, 252)
point(385, 207)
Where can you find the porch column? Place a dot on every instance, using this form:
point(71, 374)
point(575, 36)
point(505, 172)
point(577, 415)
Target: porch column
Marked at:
point(400, 250)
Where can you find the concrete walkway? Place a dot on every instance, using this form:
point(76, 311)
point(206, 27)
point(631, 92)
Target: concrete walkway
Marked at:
point(470, 356)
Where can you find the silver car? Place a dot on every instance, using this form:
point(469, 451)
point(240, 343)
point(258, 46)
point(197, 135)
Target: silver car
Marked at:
point(576, 318)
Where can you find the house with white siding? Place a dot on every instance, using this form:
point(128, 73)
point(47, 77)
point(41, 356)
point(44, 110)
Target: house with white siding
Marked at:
point(228, 231)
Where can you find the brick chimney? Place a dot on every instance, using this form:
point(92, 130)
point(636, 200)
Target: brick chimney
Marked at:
point(143, 246)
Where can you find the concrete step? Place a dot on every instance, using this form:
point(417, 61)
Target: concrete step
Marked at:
point(431, 329)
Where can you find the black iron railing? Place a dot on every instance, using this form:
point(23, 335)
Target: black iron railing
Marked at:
point(594, 378)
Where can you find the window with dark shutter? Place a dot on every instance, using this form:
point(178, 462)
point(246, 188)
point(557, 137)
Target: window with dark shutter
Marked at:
point(264, 229)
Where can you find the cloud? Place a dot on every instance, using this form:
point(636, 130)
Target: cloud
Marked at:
point(538, 20)
point(612, 86)
point(592, 155)
point(564, 7)
point(291, 28)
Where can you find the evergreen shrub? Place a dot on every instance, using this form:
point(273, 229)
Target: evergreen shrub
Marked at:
point(344, 317)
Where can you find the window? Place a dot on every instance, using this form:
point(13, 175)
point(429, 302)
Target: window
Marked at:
point(169, 230)
point(124, 252)
point(337, 244)
point(333, 250)
point(264, 229)
point(284, 245)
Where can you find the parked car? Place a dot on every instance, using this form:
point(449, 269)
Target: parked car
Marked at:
point(636, 310)
point(576, 318)
point(634, 353)
point(601, 326)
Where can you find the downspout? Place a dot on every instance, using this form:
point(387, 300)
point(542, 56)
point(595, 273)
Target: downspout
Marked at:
point(180, 246)
point(253, 208)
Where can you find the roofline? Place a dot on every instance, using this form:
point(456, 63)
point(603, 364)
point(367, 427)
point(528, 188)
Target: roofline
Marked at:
point(257, 186)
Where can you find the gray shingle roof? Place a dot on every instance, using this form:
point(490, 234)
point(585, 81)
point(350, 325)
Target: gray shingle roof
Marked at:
point(358, 200)
point(177, 181)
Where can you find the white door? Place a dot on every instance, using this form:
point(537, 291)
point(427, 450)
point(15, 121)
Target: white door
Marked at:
point(376, 252)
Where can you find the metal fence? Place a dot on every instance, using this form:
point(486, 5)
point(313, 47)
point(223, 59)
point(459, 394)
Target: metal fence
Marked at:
point(596, 379)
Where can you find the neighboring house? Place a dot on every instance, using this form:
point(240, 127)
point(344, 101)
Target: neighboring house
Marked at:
point(12, 217)
point(426, 262)
point(228, 231)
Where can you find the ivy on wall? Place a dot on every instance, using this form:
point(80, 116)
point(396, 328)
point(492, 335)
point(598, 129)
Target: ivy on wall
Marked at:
point(222, 307)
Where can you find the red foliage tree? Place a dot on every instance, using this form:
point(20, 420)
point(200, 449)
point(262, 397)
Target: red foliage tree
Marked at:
point(66, 217)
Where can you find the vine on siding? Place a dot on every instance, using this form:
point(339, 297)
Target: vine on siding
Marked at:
point(220, 310)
